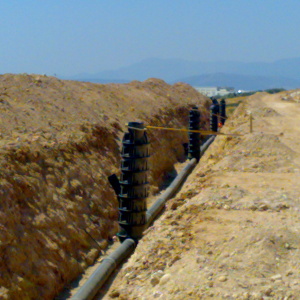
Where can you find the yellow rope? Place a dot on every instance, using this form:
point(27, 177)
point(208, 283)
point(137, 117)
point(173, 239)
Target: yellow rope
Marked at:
point(225, 118)
point(203, 132)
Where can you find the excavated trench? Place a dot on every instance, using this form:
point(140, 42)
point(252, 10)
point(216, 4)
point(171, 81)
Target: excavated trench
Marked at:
point(60, 141)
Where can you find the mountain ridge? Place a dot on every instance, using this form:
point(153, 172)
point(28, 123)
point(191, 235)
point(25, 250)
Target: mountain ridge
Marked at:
point(173, 70)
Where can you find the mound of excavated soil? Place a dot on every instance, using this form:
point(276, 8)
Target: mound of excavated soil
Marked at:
point(291, 96)
point(59, 142)
point(233, 230)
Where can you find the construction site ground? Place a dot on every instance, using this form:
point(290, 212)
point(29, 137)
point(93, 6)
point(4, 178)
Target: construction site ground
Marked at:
point(232, 232)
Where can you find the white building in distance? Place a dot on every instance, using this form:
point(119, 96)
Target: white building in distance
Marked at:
point(215, 91)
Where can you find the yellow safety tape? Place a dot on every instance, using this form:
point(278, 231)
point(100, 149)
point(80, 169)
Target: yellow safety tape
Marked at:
point(203, 132)
point(220, 116)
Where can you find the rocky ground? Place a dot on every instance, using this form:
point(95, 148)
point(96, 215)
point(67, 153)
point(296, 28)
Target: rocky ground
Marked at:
point(233, 230)
point(59, 142)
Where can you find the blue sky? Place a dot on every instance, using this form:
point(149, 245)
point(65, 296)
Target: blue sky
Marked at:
point(67, 37)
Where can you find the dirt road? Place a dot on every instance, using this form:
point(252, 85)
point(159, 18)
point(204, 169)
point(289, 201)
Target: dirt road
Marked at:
point(233, 230)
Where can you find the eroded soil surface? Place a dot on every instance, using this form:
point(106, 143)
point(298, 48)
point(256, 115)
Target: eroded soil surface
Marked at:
point(233, 230)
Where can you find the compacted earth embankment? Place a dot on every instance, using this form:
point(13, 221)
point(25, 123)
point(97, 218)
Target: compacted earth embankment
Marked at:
point(233, 230)
point(59, 142)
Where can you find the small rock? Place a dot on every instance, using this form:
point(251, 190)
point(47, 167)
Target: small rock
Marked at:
point(226, 207)
point(155, 277)
point(222, 278)
point(253, 207)
point(263, 207)
point(166, 278)
point(159, 274)
point(287, 246)
point(154, 281)
point(114, 294)
point(289, 273)
point(225, 185)
point(174, 205)
point(180, 234)
point(276, 277)
point(282, 206)
point(268, 292)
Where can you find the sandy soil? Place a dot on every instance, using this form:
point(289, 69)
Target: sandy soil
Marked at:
point(59, 142)
point(233, 230)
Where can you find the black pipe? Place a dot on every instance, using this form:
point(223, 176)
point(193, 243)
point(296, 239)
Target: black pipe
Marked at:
point(108, 265)
point(102, 273)
point(204, 147)
point(158, 206)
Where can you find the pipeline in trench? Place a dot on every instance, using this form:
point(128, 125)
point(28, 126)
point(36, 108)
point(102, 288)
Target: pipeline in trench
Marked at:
point(109, 264)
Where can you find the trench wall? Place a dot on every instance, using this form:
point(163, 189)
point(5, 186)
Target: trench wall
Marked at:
point(59, 142)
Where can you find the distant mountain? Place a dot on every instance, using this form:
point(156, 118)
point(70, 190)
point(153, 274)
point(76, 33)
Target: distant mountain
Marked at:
point(243, 82)
point(172, 70)
point(166, 69)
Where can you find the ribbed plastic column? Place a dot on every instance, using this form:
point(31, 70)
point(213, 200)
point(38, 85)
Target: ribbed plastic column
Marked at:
point(215, 102)
point(214, 110)
point(194, 137)
point(223, 111)
point(133, 182)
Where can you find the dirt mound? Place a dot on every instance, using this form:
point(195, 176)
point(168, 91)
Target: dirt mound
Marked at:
point(265, 112)
point(257, 153)
point(291, 96)
point(59, 142)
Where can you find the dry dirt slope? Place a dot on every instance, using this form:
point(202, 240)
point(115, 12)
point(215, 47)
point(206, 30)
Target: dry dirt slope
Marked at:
point(233, 231)
point(59, 142)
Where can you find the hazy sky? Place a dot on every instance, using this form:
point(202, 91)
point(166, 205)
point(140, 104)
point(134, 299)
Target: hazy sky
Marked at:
point(67, 37)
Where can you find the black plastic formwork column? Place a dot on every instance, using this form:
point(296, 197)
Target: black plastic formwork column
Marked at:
point(133, 182)
point(214, 111)
point(223, 111)
point(215, 102)
point(194, 137)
